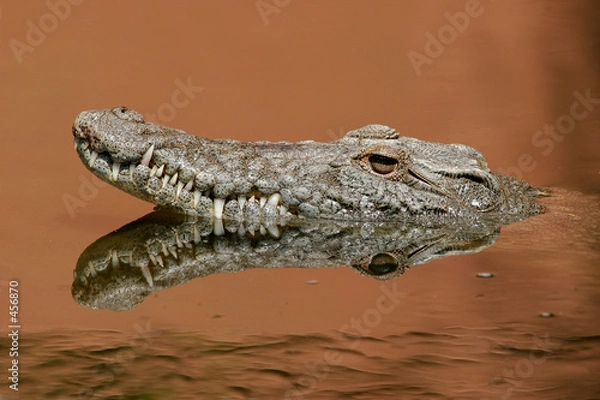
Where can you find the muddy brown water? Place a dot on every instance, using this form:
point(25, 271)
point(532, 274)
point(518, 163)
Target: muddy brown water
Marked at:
point(518, 80)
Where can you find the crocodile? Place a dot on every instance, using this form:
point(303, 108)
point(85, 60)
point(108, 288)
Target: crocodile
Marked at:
point(162, 249)
point(370, 174)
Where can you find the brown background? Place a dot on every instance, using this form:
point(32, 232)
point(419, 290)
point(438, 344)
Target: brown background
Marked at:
point(307, 70)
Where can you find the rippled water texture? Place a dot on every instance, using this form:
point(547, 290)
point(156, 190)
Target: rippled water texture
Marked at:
point(493, 315)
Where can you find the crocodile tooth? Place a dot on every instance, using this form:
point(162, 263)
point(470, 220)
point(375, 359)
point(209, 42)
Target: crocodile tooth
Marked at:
point(165, 181)
point(263, 201)
point(173, 179)
point(262, 230)
point(152, 258)
point(274, 231)
point(242, 231)
point(164, 250)
point(173, 251)
point(115, 171)
point(179, 187)
point(218, 208)
point(197, 196)
point(160, 170)
point(252, 199)
point(159, 260)
point(188, 186)
point(93, 158)
point(196, 234)
point(178, 240)
point(147, 275)
point(147, 156)
point(91, 269)
point(274, 199)
point(86, 145)
point(219, 230)
point(153, 171)
point(241, 201)
point(282, 209)
point(115, 259)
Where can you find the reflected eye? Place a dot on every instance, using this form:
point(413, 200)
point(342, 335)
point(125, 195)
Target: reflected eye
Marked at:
point(383, 165)
point(382, 264)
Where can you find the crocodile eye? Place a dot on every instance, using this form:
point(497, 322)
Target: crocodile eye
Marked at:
point(383, 165)
point(382, 264)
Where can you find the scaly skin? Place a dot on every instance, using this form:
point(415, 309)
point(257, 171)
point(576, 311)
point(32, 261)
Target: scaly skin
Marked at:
point(370, 174)
point(162, 250)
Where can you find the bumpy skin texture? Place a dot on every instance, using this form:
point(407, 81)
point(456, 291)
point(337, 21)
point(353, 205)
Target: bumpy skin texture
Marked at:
point(161, 250)
point(370, 174)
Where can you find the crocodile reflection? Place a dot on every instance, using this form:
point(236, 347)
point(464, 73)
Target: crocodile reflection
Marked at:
point(161, 250)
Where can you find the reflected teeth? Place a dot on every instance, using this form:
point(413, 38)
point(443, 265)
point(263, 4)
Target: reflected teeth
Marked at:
point(196, 234)
point(219, 230)
point(188, 186)
point(218, 208)
point(147, 275)
point(153, 171)
point(147, 156)
point(115, 259)
point(115, 171)
point(263, 201)
point(93, 158)
point(241, 201)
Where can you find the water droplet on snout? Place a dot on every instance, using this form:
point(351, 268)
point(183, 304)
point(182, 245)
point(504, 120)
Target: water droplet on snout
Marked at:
point(485, 275)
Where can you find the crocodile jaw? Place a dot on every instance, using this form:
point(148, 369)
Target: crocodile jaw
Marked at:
point(136, 168)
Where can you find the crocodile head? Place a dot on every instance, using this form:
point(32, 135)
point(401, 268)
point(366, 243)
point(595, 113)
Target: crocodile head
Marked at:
point(370, 174)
